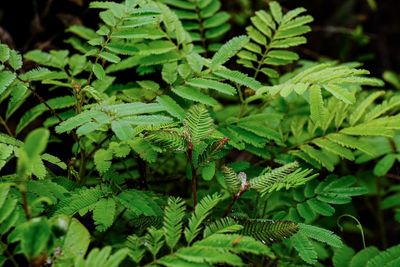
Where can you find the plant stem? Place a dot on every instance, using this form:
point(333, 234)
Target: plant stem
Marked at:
point(194, 173)
point(25, 205)
point(235, 198)
point(4, 123)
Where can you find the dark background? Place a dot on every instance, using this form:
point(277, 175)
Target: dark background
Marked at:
point(347, 30)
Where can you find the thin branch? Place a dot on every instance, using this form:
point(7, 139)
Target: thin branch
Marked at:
point(4, 123)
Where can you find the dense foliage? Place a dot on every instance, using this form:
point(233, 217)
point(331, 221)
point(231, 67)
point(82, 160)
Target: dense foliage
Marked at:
point(181, 146)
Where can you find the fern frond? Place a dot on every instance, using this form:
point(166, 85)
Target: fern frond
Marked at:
point(321, 235)
point(139, 202)
point(270, 32)
point(154, 240)
point(334, 79)
point(198, 123)
point(6, 78)
point(212, 84)
point(268, 231)
point(228, 50)
point(168, 139)
point(193, 94)
point(208, 255)
point(389, 257)
point(104, 213)
point(136, 251)
point(172, 225)
point(102, 258)
point(171, 107)
point(305, 248)
point(286, 176)
point(222, 226)
point(203, 20)
point(201, 212)
point(238, 77)
point(235, 243)
point(231, 179)
point(142, 223)
point(81, 199)
point(361, 108)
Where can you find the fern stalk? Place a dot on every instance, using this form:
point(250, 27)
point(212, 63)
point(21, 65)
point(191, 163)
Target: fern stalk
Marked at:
point(243, 188)
point(194, 173)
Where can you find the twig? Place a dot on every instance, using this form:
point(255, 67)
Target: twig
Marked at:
point(4, 123)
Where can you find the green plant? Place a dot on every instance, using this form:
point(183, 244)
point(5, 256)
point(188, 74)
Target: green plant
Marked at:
point(152, 104)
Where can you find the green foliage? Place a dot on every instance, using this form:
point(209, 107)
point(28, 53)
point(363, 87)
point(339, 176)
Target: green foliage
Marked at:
point(270, 33)
point(203, 20)
point(286, 176)
point(106, 145)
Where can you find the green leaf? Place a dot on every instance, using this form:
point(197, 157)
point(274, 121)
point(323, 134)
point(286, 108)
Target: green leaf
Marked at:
point(210, 255)
point(228, 50)
point(102, 160)
point(6, 78)
point(104, 213)
point(36, 142)
point(172, 223)
point(384, 165)
point(122, 129)
point(238, 77)
point(109, 57)
point(201, 212)
point(76, 240)
point(193, 94)
point(305, 248)
point(35, 235)
point(342, 256)
point(208, 171)
point(318, 111)
point(199, 123)
point(321, 235)
point(212, 84)
point(171, 106)
point(98, 71)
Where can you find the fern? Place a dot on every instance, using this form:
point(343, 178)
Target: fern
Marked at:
point(103, 257)
point(104, 213)
point(269, 33)
point(80, 200)
point(231, 179)
point(306, 250)
point(198, 123)
point(222, 226)
point(203, 20)
point(173, 217)
point(287, 176)
point(268, 231)
point(201, 212)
